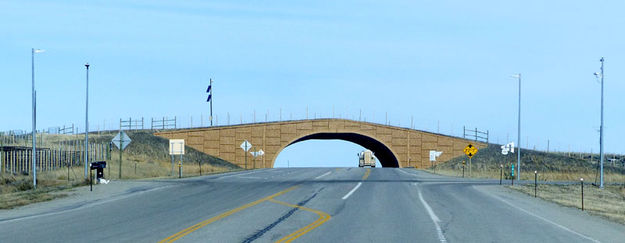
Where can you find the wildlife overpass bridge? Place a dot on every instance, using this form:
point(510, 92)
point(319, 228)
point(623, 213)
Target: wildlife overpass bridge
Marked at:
point(393, 146)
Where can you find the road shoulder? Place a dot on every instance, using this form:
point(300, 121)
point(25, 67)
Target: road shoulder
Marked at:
point(575, 220)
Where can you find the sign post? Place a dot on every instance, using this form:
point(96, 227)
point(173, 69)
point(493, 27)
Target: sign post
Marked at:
point(246, 146)
point(505, 149)
point(470, 151)
point(256, 154)
point(121, 140)
point(463, 168)
point(512, 173)
point(500, 173)
point(176, 147)
point(433, 155)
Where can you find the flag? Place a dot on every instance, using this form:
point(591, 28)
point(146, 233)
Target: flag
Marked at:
point(209, 89)
point(209, 98)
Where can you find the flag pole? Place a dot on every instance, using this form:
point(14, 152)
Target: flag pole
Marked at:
point(211, 104)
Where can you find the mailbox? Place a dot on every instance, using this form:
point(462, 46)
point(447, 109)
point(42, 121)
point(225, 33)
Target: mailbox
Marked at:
point(99, 167)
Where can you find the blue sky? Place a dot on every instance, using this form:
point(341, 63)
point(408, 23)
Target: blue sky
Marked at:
point(445, 63)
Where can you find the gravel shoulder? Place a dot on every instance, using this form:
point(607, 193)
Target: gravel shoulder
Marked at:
point(575, 221)
point(80, 197)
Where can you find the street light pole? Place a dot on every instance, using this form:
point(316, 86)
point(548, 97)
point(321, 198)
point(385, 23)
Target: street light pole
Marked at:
point(34, 118)
point(601, 130)
point(211, 104)
point(518, 158)
point(87, 123)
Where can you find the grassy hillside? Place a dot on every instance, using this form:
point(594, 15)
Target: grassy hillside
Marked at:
point(146, 157)
point(556, 166)
point(146, 147)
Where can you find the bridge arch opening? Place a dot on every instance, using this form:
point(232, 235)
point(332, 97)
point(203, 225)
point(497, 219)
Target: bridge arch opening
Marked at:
point(386, 157)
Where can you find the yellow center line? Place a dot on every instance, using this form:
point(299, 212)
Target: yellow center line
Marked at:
point(366, 174)
point(323, 217)
point(199, 225)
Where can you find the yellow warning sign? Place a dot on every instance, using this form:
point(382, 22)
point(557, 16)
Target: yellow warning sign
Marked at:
point(470, 150)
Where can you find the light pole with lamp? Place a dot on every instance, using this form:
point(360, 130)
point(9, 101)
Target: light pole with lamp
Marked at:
point(518, 158)
point(87, 123)
point(34, 110)
point(600, 77)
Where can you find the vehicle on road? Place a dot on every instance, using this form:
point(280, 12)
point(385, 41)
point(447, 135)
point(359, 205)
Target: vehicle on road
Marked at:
point(366, 158)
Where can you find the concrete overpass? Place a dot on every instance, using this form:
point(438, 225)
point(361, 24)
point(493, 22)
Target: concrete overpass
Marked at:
point(393, 146)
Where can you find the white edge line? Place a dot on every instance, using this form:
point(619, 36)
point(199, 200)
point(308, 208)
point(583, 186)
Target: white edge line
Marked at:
point(238, 174)
point(433, 216)
point(352, 191)
point(544, 219)
point(402, 171)
point(325, 174)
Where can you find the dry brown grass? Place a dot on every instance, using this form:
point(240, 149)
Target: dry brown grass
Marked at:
point(150, 168)
point(146, 157)
point(17, 191)
point(529, 175)
point(608, 202)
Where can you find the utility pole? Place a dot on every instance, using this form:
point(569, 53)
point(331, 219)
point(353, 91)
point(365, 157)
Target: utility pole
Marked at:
point(87, 122)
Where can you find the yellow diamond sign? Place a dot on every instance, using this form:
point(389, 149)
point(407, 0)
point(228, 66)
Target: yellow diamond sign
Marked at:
point(470, 150)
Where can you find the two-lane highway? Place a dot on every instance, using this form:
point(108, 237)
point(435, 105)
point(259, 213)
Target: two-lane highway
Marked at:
point(316, 205)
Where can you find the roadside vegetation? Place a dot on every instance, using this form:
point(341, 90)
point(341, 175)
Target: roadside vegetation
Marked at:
point(17, 190)
point(608, 202)
point(549, 166)
point(557, 167)
point(145, 157)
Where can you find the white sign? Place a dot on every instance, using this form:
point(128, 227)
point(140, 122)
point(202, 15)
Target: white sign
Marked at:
point(123, 139)
point(508, 148)
point(258, 153)
point(246, 146)
point(176, 146)
point(435, 154)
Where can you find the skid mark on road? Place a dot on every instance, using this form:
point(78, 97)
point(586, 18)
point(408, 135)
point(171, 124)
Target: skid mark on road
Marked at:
point(199, 225)
point(323, 217)
point(435, 219)
point(285, 216)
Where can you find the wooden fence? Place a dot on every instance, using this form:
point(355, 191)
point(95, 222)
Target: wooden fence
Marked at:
point(18, 159)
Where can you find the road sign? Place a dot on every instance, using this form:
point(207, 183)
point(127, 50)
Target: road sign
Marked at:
point(508, 148)
point(258, 153)
point(434, 155)
point(123, 139)
point(246, 146)
point(470, 150)
point(512, 170)
point(176, 146)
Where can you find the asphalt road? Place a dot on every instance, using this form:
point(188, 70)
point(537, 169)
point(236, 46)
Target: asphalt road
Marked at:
point(310, 205)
